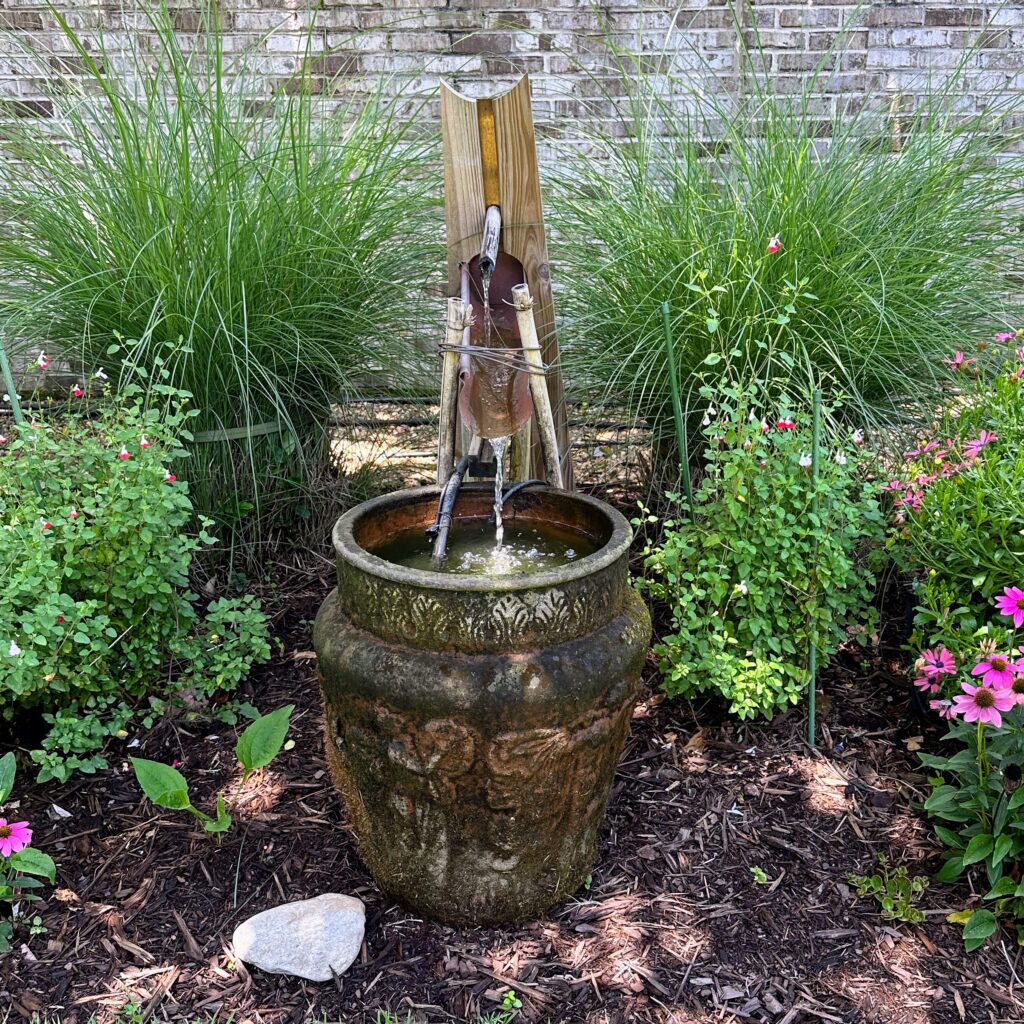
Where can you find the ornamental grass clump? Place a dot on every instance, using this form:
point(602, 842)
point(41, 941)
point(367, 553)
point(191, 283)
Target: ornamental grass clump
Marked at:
point(759, 574)
point(275, 234)
point(848, 254)
point(97, 621)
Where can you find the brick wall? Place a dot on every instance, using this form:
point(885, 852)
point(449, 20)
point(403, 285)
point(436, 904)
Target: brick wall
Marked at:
point(482, 45)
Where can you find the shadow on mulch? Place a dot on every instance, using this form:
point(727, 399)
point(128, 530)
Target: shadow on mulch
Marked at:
point(673, 927)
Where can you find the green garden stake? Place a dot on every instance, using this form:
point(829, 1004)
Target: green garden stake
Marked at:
point(5, 369)
point(677, 410)
point(813, 655)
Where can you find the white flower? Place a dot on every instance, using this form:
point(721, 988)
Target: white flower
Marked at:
point(858, 436)
point(706, 422)
point(741, 588)
point(712, 411)
point(752, 417)
point(14, 650)
point(42, 360)
point(100, 375)
point(806, 460)
point(840, 459)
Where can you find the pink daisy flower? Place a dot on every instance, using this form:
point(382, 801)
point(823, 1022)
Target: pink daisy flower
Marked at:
point(926, 685)
point(944, 708)
point(996, 670)
point(958, 361)
point(894, 485)
point(983, 704)
point(937, 662)
point(1006, 336)
point(1011, 604)
point(14, 836)
point(973, 447)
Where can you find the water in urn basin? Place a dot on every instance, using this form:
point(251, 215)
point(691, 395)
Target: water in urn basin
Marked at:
point(473, 550)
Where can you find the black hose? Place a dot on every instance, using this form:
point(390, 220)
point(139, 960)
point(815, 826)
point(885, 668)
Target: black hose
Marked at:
point(515, 489)
point(445, 504)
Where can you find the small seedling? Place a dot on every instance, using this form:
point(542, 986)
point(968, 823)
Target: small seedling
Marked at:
point(759, 874)
point(894, 890)
point(257, 746)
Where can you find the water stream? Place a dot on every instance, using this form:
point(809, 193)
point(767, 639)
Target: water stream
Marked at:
point(499, 445)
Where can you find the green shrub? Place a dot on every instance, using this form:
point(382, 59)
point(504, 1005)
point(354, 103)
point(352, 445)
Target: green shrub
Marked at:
point(759, 575)
point(883, 260)
point(958, 498)
point(95, 610)
point(274, 236)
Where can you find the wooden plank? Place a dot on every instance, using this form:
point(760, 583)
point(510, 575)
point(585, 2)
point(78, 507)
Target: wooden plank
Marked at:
point(463, 181)
point(522, 216)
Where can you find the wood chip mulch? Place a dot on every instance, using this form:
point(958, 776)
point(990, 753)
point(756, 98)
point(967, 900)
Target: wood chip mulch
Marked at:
point(674, 927)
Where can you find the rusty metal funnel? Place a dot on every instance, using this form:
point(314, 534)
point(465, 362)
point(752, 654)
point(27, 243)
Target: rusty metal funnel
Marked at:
point(495, 397)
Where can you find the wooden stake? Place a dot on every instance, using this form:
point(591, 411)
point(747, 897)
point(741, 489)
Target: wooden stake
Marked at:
point(449, 412)
point(538, 384)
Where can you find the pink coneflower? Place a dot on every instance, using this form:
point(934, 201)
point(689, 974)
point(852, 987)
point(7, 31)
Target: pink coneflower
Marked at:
point(958, 361)
point(144, 442)
point(1011, 604)
point(894, 485)
point(944, 707)
point(926, 685)
point(14, 836)
point(77, 391)
point(974, 446)
point(123, 453)
point(937, 662)
point(983, 704)
point(996, 670)
point(1017, 688)
point(784, 424)
point(774, 245)
point(169, 477)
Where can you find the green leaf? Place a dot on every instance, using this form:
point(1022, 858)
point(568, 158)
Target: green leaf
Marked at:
point(712, 359)
point(164, 785)
point(34, 862)
point(7, 770)
point(1003, 845)
point(223, 820)
point(981, 925)
point(978, 849)
point(951, 870)
point(261, 741)
point(1017, 799)
point(1004, 887)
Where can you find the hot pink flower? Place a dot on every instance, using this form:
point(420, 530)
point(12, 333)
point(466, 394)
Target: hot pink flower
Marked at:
point(894, 485)
point(774, 245)
point(143, 441)
point(3, 440)
point(77, 391)
point(1011, 604)
point(73, 514)
point(1017, 688)
point(169, 477)
point(973, 447)
point(958, 361)
point(983, 704)
point(1006, 336)
point(14, 836)
point(937, 662)
point(858, 437)
point(123, 453)
point(44, 525)
point(996, 670)
point(944, 707)
point(43, 360)
point(926, 685)
point(784, 424)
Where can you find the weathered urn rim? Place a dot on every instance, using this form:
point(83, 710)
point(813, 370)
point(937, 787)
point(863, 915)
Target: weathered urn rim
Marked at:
point(346, 546)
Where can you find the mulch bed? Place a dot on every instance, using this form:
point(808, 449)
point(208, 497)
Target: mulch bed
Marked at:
point(673, 928)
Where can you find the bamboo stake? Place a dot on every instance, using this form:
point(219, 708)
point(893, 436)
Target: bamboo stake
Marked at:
point(520, 460)
point(8, 378)
point(538, 384)
point(813, 653)
point(450, 391)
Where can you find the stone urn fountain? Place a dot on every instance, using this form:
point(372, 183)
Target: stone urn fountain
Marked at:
point(474, 722)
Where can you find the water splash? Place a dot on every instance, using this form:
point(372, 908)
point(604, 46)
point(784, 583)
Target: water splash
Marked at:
point(499, 445)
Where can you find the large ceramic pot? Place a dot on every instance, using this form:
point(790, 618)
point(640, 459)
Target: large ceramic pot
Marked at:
point(473, 723)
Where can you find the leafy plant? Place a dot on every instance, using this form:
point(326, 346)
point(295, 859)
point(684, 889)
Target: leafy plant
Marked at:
point(274, 237)
point(21, 866)
point(258, 745)
point(848, 254)
point(978, 797)
point(758, 576)
point(95, 607)
point(894, 889)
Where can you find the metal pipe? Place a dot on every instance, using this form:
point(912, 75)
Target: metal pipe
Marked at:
point(445, 505)
point(491, 238)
